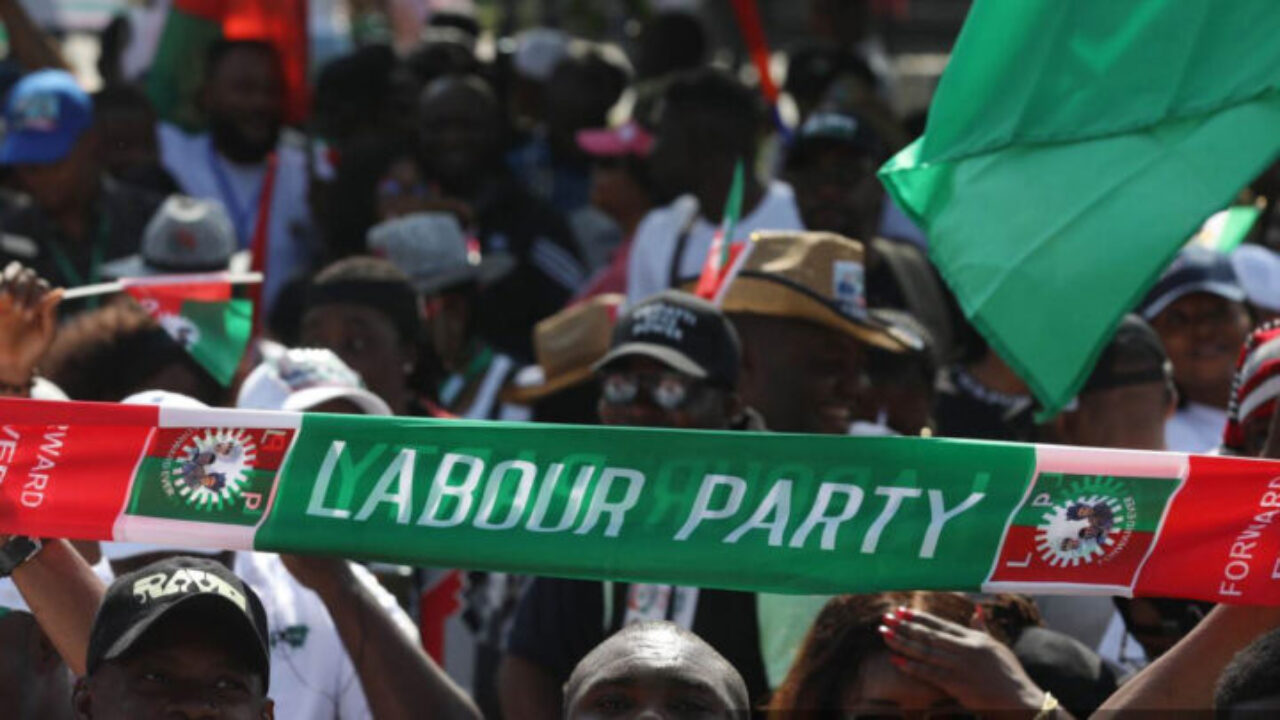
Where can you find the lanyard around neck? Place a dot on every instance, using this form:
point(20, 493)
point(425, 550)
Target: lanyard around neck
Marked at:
point(242, 215)
point(96, 251)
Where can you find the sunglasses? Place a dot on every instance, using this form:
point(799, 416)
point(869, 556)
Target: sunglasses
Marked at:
point(669, 391)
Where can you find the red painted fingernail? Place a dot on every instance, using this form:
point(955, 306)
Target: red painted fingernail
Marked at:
point(886, 631)
point(890, 619)
point(900, 662)
point(905, 612)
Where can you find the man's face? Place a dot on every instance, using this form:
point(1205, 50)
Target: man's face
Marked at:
point(459, 132)
point(244, 98)
point(802, 377)
point(180, 669)
point(673, 161)
point(655, 676)
point(1128, 417)
point(1255, 430)
point(1202, 334)
point(366, 341)
point(837, 190)
point(703, 407)
point(57, 187)
point(128, 139)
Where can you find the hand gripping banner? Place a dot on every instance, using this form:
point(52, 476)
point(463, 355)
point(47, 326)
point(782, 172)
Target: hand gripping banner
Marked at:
point(764, 512)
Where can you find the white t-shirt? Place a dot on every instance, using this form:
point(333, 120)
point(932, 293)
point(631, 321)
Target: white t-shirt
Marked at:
point(311, 673)
point(1195, 428)
point(656, 238)
point(195, 166)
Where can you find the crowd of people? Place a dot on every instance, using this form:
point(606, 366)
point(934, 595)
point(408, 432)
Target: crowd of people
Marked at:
point(518, 238)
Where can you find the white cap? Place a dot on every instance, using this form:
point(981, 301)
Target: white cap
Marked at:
point(538, 51)
point(165, 398)
point(43, 389)
point(1258, 270)
point(301, 379)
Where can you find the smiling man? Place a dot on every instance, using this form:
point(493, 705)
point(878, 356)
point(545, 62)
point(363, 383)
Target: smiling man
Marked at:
point(800, 305)
point(1198, 309)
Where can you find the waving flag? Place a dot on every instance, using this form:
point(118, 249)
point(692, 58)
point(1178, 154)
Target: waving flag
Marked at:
point(1071, 149)
point(199, 313)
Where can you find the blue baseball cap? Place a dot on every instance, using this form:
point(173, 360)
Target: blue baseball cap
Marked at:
point(44, 116)
point(1195, 270)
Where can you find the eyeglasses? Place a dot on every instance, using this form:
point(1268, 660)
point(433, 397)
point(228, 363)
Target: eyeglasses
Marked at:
point(669, 391)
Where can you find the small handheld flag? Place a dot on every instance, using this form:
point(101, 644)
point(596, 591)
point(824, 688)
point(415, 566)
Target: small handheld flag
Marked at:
point(197, 311)
point(723, 250)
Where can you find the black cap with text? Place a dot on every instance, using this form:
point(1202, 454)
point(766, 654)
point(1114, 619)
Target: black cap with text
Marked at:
point(683, 332)
point(138, 600)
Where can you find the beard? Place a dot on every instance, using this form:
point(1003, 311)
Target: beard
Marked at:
point(238, 146)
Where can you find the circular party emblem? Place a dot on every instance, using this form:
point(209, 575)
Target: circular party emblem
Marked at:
point(209, 470)
point(1082, 527)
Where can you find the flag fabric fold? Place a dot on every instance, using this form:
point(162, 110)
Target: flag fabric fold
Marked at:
point(1070, 151)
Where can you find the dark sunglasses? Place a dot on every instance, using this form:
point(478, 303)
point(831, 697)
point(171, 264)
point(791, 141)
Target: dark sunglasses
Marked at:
point(669, 391)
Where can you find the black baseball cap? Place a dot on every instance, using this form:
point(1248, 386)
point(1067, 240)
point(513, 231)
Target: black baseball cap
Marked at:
point(1195, 270)
point(826, 128)
point(682, 331)
point(136, 601)
point(1134, 356)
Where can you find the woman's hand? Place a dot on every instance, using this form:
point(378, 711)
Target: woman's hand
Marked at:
point(980, 672)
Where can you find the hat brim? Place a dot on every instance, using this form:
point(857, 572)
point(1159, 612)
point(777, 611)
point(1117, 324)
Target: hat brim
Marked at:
point(206, 605)
point(489, 270)
point(763, 296)
point(136, 266)
point(533, 393)
point(1227, 291)
point(668, 356)
point(37, 148)
point(308, 398)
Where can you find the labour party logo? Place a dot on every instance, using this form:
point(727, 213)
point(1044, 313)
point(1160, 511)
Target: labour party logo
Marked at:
point(1086, 525)
point(209, 471)
point(181, 329)
point(1082, 529)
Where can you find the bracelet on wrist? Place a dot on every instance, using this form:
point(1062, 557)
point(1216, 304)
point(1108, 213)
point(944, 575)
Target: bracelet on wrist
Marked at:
point(1048, 707)
point(8, 389)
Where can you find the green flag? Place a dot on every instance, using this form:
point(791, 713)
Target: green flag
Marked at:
point(1071, 149)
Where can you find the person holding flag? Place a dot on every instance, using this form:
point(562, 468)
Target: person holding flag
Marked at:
point(75, 218)
point(708, 124)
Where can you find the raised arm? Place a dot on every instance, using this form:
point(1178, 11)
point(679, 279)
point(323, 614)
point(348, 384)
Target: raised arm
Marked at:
point(399, 679)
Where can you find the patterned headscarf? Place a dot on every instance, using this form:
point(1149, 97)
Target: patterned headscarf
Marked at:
point(1256, 385)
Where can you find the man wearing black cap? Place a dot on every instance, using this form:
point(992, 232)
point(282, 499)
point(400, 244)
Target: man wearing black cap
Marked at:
point(674, 362)
point(1198, 308)
point(180, 637)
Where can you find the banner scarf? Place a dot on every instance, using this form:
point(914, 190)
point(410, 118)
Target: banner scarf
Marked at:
point(761, 512)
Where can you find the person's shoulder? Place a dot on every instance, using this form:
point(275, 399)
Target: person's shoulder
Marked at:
point(663, 221)
point(778, 209)
point(174, 139)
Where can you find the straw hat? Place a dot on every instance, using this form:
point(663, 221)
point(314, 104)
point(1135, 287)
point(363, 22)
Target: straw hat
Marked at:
point(566, 345)
point(815, 276)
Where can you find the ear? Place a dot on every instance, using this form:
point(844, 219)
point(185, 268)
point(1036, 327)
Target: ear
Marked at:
point(1172, 408)
point(268, 710)
point(81, 699)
